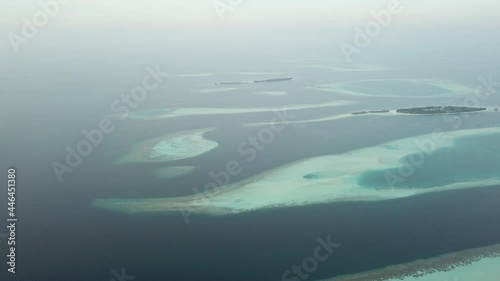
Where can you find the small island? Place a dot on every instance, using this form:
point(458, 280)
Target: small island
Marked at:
point(273, 80)
point(371, 111)
point(440, 110)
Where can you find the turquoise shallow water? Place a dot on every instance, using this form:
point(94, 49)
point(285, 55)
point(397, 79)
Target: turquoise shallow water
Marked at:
point(469, 159)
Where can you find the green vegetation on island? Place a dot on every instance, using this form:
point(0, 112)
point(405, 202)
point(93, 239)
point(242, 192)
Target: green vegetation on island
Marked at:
point(440, 110)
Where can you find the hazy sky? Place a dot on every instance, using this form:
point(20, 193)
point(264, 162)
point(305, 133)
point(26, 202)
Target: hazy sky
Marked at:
point(196, 12)
point(196, 24)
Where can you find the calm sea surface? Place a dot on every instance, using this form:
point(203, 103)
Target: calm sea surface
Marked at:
point(60, 237)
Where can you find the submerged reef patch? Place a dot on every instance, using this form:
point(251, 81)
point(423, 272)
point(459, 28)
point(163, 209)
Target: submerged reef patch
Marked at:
point(312, 176)
point(340, 178)
point(409, 88)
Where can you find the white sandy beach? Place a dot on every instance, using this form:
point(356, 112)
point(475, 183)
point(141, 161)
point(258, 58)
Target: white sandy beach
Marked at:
point(176, 146)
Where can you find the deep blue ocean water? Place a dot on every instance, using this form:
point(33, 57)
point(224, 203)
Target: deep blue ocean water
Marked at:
point(61, 237)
